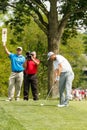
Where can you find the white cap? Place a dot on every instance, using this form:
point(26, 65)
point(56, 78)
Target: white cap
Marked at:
point(19, 48)
point(33, 53)
point(49, 55)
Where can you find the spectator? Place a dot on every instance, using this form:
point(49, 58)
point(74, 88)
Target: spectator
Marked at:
point(78, 95)
point(86, 94)
point(30, 76)
point(64, 74)
point(16, 77)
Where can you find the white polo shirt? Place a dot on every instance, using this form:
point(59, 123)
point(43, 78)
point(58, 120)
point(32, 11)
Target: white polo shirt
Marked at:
point(64, 62)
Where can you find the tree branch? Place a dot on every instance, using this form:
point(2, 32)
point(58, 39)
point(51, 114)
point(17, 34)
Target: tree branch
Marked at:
point(38, 22)
point(39, 4)
point(67, 14)
point(63, 23)
point(80, 10)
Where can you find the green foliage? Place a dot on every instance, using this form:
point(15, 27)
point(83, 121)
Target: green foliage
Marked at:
point(33, 39)
point(68, 33)
point(3, 5)
point(85, 42)
point(74, 11)
point(73, 14)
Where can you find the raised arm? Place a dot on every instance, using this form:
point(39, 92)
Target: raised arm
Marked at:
point(37, 62)
point(6, 50)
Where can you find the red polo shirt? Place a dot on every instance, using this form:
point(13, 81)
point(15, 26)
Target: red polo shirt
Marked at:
point(31, 67)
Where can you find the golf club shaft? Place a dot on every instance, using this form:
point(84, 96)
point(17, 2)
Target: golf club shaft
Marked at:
point(49, 92)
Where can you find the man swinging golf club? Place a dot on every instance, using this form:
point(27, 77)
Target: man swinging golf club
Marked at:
point(64, 74)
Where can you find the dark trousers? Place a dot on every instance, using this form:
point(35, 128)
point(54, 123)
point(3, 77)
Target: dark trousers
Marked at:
point(30, 80)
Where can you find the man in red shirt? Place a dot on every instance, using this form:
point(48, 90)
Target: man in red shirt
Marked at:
point(30, 76)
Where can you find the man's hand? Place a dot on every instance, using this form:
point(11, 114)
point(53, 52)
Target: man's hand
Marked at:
point(35, 61)
point(56, 79)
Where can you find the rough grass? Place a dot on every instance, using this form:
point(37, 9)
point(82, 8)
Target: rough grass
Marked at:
point(29, 115)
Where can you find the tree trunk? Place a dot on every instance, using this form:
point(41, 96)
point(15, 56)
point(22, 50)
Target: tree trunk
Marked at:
point(55, 32)
point(52, 41)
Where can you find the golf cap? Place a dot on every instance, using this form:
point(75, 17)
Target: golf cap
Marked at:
point(19, 48)
point(49, 55)
point(33, 53)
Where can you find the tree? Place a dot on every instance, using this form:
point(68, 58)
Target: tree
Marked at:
point(35, 39)
point(72, 12)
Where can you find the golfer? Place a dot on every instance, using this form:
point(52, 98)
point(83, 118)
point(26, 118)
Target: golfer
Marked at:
point(64, 74)
point(16, 77)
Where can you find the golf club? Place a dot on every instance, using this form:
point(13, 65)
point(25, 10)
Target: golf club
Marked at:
point(42, 104)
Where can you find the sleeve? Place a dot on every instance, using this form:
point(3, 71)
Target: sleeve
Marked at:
point(56, 65)
point(59, 59)
point(57, 62)
point(11, 55)
point(24, 59)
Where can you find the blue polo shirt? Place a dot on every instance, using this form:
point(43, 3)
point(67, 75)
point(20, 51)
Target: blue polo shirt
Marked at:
point(17, 62)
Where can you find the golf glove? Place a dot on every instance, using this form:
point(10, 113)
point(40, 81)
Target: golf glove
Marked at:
point(57, 78)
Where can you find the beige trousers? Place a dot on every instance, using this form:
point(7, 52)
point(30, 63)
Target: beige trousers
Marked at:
point(15, 83)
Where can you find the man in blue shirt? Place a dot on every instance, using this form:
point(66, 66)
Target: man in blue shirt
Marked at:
point(16, 77)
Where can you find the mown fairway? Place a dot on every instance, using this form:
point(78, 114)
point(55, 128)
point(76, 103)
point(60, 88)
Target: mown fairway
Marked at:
point(29, 115)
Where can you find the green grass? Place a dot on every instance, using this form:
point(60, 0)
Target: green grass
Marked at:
point(29, 115)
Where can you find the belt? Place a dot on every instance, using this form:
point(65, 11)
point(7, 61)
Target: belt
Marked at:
point(17, 71)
